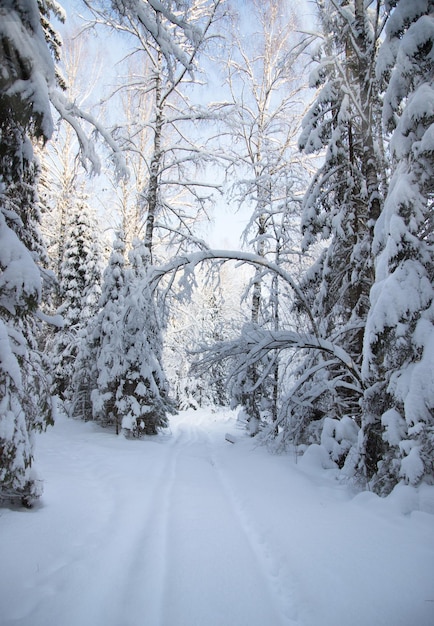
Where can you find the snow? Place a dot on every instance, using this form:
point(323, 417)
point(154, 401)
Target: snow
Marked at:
point(414, 124)
point(187, 529)
point(419, 399)
point(20, 279)
point(338, 436)
point(8, 360)
point(412, 467)
point(394, 426)
point(21, 26)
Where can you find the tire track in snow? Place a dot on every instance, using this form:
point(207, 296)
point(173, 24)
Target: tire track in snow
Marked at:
point(135, 571)
point(183, 551)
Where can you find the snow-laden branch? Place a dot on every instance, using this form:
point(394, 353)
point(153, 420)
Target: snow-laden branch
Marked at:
point(73, 115)
point(254, 343)
point(169, 29)
point(188, 262)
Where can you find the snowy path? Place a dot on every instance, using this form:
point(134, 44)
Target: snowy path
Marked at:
point(187, 558)
point(210, 550)
point(186, 529)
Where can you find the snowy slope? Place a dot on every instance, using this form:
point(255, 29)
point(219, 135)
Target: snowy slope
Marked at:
point(188, 529)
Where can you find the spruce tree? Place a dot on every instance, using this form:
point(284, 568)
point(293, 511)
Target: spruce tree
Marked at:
point(131, 391)
point(27, 75)
point(106, 342)
point(398, 364)
point(340, 208)
point(142, 395)
point(79, 292)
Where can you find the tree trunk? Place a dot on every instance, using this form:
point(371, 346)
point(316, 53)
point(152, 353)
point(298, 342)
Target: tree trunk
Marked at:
point(372, 446)
point(153, 189)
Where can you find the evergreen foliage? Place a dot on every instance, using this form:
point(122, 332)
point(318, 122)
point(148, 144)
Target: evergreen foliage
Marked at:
point(398, 363)
point(107, 339)
point(27, 75)
point(79, 292)
point(339, 208)
point(142, 397)
point(342, 358)
point(131, 391)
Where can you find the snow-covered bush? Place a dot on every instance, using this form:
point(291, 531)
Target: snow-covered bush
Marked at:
point(338, 437)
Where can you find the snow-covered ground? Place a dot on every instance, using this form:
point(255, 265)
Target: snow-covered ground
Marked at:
point(186, 529)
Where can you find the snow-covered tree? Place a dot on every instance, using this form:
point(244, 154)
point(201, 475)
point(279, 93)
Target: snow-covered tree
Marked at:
point(340, 209)
point(131, 390)
point(161, 135)
point(134, 132)
point(214, 330)
point(197, 323)
point(164, 195)
point(29, 83)
point(62, 176)
point(106, 339)
point(56, 195)
point(399, 343)
point(84, 374)
point(266, 166)
point(254, 345)
point(142, 395)
point(27, 75)
point(79, 292)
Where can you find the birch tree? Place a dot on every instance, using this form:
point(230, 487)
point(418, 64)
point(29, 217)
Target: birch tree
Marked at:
point(262, 128)
point(160, 147)
point(172, 194)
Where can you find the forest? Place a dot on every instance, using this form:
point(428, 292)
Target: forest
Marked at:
point(212, 203)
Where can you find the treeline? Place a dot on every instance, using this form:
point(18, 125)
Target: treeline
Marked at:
point(332, 343)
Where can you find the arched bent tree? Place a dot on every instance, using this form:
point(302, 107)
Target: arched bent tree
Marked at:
point(254, 344)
